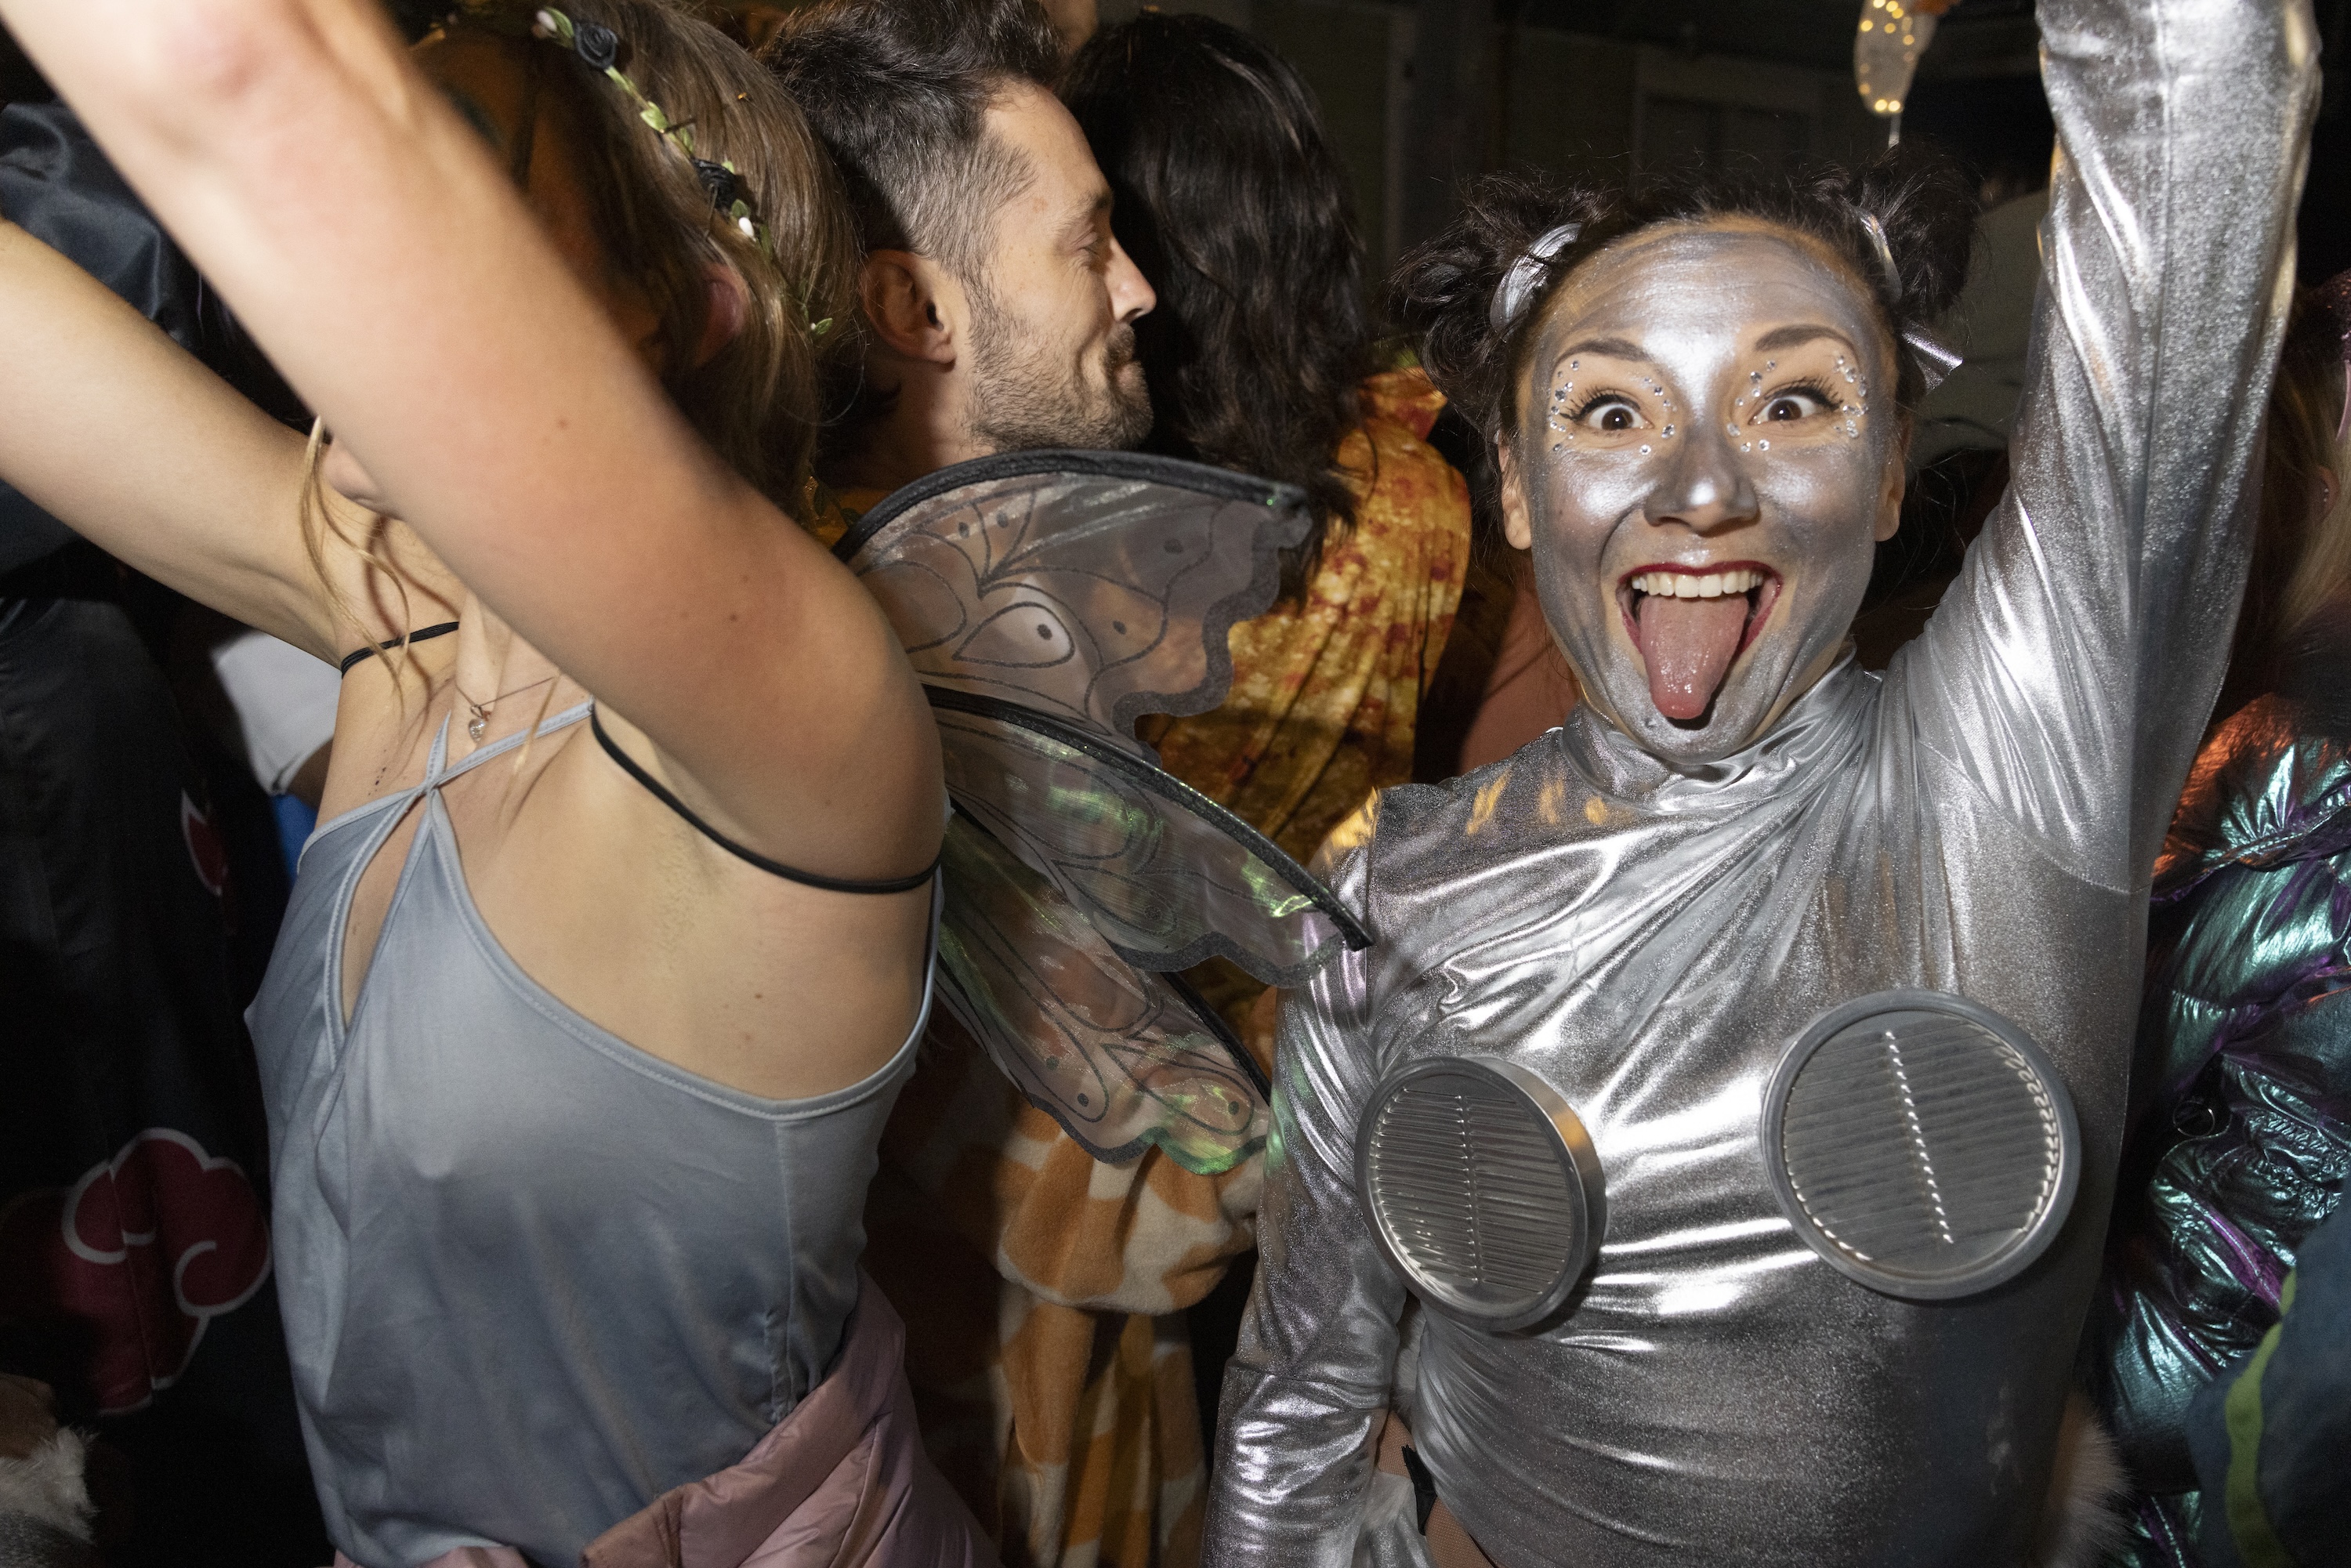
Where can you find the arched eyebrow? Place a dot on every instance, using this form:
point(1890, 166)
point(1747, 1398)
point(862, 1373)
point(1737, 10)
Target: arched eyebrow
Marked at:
point(1614, 348)
point(1779, 338)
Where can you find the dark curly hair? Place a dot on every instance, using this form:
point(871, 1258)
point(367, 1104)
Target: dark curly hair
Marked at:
point(1445, 288)
point(1233, 203)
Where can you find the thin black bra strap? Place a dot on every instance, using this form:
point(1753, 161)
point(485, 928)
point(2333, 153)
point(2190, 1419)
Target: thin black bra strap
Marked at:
point(777, 868)
point(421, 634)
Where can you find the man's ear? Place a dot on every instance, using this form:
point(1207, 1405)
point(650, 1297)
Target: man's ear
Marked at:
point(1517, 524)
point(729, 306)
point(912, 308)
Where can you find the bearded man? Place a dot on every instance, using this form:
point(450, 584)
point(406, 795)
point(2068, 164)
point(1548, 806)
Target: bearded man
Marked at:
point(1043, 1291)
point(998, 309)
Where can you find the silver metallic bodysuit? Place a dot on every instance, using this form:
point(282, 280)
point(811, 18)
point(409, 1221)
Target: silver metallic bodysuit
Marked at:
point(1982, 821)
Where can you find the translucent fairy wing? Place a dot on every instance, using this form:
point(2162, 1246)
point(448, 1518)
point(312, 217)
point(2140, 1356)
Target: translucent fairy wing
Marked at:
point(1094, 587)
point(1164, 875)
point(1117, 1055)
point(1048, 599)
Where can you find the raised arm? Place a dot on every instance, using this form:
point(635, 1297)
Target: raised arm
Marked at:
point(1305, 1393)
point(165, 466)
point(2072, 666)
point(115, 430)
point(374, 248)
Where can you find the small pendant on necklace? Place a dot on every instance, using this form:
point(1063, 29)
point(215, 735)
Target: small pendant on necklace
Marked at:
point(475, 726)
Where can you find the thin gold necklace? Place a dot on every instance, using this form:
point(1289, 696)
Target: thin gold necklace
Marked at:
point(481, 719)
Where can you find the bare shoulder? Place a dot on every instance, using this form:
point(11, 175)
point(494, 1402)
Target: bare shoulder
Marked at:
point(665, 933)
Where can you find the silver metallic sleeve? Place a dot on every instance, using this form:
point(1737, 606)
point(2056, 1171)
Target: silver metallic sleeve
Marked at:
point(2073, 665)
point(1304, 1395)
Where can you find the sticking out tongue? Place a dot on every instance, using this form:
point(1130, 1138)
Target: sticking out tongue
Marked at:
point(1687, 644)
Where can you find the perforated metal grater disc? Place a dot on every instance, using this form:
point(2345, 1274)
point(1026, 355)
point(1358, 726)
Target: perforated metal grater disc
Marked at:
point(1482, 1188)
point(1921, 1143)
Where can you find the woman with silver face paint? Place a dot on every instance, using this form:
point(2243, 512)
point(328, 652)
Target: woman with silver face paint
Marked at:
point(1738, 1075)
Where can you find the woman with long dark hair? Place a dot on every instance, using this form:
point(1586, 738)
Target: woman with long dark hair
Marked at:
point(1261, 357)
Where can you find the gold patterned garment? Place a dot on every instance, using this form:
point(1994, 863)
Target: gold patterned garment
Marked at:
point(1325, 692)
point(1043, 1291)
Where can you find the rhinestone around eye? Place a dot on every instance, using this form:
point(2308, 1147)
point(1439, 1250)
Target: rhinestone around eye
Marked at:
point(1762, 447)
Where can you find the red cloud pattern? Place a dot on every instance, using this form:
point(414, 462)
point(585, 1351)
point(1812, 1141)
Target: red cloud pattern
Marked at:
point(144, 1249)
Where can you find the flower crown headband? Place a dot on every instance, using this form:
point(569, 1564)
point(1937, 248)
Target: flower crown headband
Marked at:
point(599, 48)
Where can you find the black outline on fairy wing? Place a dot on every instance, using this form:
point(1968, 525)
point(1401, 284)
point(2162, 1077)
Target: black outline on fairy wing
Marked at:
point(1041, 577)
point(1165, 790)
point(1142, 1069)
point(1051, 615)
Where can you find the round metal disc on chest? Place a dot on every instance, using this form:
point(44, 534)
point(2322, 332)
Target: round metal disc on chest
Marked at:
point(1921, 1143)
point(1482, 1188)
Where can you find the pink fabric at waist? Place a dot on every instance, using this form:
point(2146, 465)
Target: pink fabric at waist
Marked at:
point(843, 1480)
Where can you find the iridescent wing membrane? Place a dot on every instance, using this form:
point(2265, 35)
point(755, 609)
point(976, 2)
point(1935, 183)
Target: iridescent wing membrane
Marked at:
point(1120, 1056)
point(1093, 586)
point(1048, 600)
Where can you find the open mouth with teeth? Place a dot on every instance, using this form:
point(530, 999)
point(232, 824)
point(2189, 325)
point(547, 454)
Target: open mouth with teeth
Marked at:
point(1690, 623)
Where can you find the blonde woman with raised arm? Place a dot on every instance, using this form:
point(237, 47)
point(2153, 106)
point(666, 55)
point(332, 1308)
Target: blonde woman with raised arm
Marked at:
point(608, 959)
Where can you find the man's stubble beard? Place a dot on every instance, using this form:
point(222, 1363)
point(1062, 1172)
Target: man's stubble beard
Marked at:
point(1024, 396)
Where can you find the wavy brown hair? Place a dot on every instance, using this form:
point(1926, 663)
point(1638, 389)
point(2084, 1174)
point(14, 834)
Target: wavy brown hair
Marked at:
point(1235, 206)
point(758, 400)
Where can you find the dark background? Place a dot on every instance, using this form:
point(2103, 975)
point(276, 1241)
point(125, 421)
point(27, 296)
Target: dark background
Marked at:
point(1419, 93)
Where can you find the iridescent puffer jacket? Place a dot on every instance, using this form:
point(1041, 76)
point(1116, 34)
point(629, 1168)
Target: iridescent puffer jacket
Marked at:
point(2240, 1140)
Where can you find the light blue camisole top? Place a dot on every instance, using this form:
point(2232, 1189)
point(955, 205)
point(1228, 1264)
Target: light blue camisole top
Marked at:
point(532, 1277)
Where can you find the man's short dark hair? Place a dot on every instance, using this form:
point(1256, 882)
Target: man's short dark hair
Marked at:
point(899, 90)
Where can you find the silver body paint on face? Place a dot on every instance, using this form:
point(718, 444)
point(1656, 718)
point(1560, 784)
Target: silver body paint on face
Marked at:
point(1646, 924)
point(1802, 497)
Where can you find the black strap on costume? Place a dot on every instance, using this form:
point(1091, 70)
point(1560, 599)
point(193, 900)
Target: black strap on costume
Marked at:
point(777, 868)
point(421, 634)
